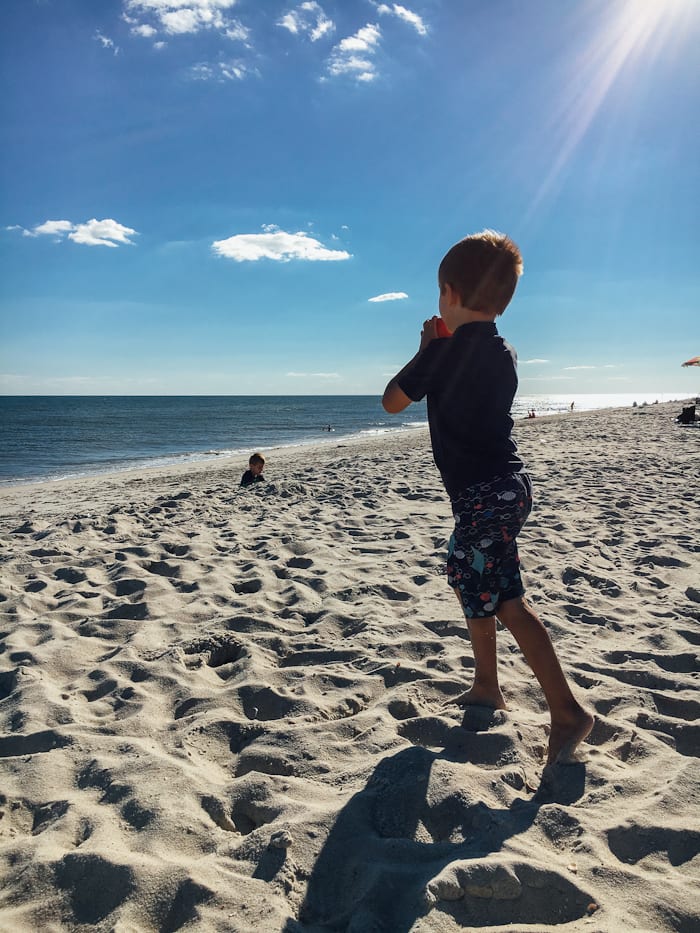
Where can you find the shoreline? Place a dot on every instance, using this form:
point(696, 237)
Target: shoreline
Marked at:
point(229, 708)
point(198, 461)
point(284, 454)
point(189, 458)
point(235, 465)
point(185, 461)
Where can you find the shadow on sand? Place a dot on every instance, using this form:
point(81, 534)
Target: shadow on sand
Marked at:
point(389, 842)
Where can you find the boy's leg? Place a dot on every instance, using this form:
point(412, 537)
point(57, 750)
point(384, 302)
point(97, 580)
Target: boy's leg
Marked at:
point(571, 723)
point(482, 560)
point(485, 691)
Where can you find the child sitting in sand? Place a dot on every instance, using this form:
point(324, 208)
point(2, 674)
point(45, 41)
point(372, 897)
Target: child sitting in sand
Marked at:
point(470, 380)
point(256, 465)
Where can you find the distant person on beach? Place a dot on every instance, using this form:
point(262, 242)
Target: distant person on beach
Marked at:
point(253, 474)
point(470, 381)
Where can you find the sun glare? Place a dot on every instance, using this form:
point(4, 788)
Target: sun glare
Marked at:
point(631, 33)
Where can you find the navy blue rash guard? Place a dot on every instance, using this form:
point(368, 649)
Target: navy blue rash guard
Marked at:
point(470, 380)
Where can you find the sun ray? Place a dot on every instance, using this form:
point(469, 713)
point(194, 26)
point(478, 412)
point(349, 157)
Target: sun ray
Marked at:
point(631, 31)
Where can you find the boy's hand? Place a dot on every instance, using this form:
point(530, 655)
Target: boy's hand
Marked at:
point(429, 332)
point(395, 399)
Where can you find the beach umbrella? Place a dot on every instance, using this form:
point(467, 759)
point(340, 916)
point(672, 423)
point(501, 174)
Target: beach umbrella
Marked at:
point(694, 361)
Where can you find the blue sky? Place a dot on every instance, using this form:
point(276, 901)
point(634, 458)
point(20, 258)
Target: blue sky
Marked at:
point(205, 196)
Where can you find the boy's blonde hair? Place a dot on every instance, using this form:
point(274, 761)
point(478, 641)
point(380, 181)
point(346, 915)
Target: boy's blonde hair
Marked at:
point(256, 458)
point(483, 269)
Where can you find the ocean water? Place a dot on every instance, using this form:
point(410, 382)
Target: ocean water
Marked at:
point(54, 437)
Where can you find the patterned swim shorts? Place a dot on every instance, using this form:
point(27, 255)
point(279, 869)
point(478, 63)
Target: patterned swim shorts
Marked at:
point(482, 559)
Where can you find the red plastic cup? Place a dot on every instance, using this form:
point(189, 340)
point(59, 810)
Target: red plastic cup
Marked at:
point(441, 329)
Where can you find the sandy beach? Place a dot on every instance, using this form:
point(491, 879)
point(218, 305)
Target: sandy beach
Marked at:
point(228, 709)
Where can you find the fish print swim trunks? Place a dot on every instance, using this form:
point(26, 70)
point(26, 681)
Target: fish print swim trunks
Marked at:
point(482, 559)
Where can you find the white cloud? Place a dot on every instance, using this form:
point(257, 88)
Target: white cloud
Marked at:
point(233, 71)
point(179, 17)
point(572, 368)
point(179, 22)
point(237, 31)
point(291, 22)
point(314, 375)
point(144, 30)
point(101, 233)
point(52, 228)
point(93, 232)
point(408, 16)
point(307, 19)
point(221, 71)
point(276, 244)
point(106, 42)
point(202, 72)
point(389, 296)
point(352, 55)
point(364, 40)
point(527, 362)
point(361, 68)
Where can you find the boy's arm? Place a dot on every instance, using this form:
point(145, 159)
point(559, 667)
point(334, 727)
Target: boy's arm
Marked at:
point(395, 399)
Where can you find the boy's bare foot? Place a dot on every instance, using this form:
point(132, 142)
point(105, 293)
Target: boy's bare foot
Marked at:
point(565, 738)
point(480, 696)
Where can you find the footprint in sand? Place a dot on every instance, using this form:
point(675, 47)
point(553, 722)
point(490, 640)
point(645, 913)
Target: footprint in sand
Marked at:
point(248, 586)
point(480, 747)
point(571, 577)
point(676, 707)
point(162, 568)
point(176, 550)
point(70, 575)
point(685, 736)
point(485, 893)
point(26, 816)
point(632, 842)
point(96, 886)
point(674, 663)
point(105, 687)
point(136, 815)
point(403, 709)
point(120, 701)
point(16, 746)
point(251, 808)
point(129, 587)
point(300, 563)
point(214, 651)
point(136, 612)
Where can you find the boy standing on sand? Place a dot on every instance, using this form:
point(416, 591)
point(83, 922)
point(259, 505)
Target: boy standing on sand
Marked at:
point(470, 380)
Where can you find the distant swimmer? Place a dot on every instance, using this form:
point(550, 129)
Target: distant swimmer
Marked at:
point(328, 427)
